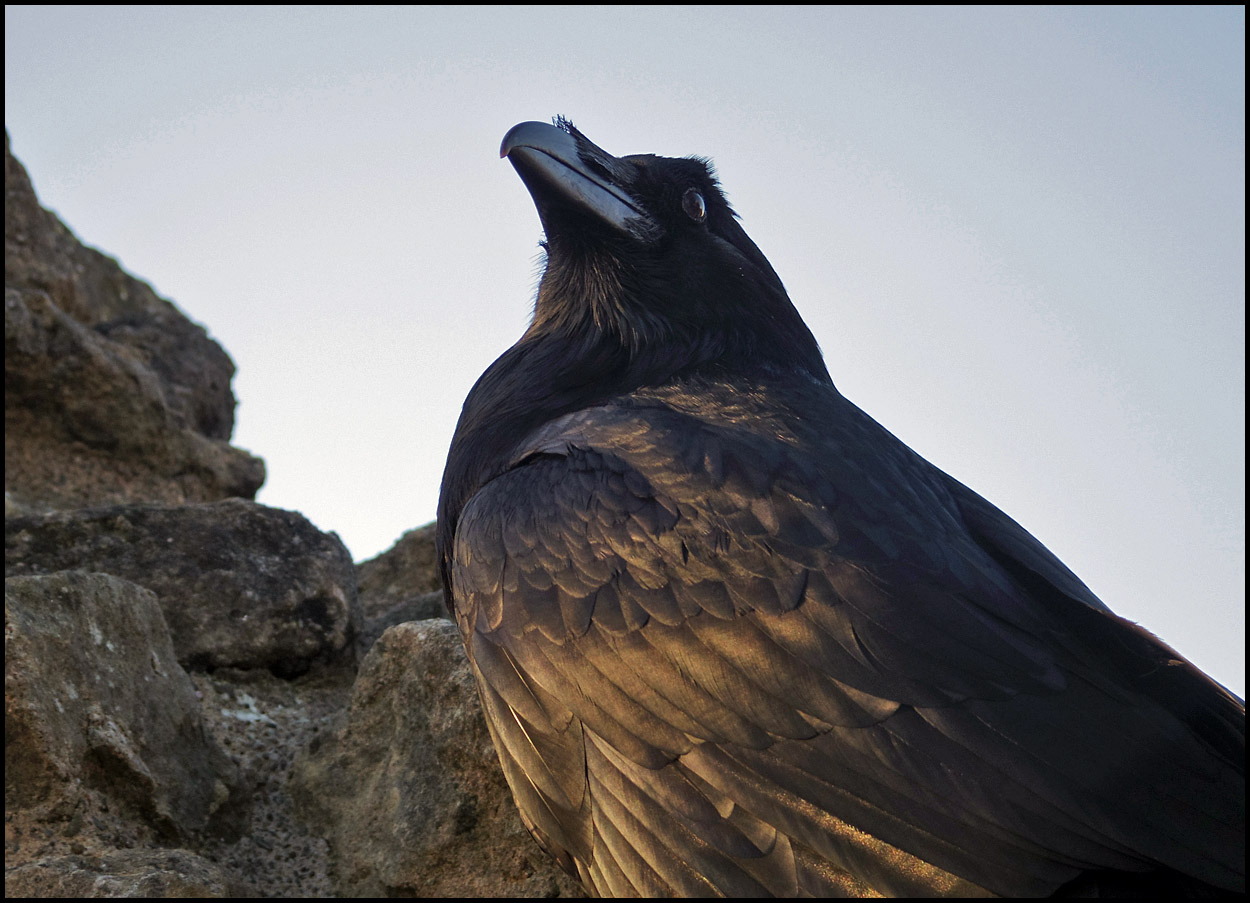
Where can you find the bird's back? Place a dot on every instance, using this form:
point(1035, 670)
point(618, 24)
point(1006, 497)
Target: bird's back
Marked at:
point(733, 636)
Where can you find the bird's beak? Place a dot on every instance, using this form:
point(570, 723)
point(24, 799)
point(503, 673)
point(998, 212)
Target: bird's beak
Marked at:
point(563, 170)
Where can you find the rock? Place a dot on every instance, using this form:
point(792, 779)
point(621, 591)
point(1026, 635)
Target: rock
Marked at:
point(95, 699)
point(401, 584)
point(240, 585)
point(408, 791)
point(124, 873)
point(263, 722)
point(110, 393)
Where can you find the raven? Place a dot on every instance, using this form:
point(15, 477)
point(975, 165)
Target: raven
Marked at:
point(733, 637)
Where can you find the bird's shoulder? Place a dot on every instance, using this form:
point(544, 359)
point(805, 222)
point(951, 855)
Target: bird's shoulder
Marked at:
point(745, 509)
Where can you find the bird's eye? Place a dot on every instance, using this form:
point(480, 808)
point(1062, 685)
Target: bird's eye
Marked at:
point(692, 203)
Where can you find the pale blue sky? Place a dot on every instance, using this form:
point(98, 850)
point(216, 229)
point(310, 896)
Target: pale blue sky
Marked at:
point(1017, 234)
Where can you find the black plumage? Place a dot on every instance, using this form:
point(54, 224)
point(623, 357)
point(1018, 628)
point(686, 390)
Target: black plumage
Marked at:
point(732, 636)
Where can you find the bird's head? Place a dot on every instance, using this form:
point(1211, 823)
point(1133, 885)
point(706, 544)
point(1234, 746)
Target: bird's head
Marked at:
point(646, 251)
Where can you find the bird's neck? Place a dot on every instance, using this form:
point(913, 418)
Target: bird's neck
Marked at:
point(567, 364)
point(546, 374)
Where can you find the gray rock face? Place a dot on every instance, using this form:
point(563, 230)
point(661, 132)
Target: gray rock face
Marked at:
point(240, 585)
point(393, 831)
point(95, 698)
point(110, 393)
point(401, 584)
point(125, 873)
point(263, 722)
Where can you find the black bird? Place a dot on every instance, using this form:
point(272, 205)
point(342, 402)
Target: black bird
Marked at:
point(734, 637)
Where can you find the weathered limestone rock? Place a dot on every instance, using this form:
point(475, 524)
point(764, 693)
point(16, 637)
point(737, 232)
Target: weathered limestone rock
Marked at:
point(95, 699)
point(124, 873)
point(263, 722)
point(240, 585)
point(401, 584)
point(110, 393)
point(408, 790)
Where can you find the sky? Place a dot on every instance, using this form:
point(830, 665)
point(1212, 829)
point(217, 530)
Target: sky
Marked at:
point(1018, 235)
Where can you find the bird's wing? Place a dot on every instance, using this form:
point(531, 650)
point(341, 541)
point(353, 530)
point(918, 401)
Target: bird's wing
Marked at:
point(691, 638)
